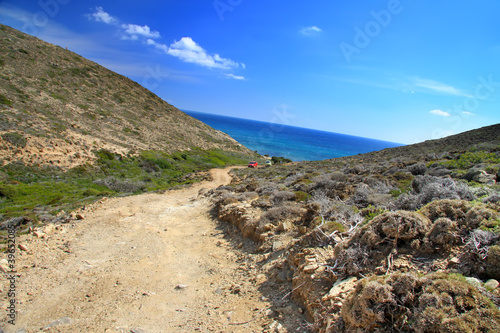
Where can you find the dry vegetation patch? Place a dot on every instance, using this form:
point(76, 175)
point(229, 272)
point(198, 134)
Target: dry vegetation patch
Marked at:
point(383, 242)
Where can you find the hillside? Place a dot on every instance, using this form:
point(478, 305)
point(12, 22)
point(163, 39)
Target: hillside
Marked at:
point(66, 106)
point(72, 132)
point(487, 137)
point(406, 239)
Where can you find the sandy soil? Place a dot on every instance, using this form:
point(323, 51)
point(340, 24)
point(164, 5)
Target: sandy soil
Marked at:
point(148, 263)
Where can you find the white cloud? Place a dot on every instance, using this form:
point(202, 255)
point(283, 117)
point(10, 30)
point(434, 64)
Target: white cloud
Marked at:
point(188, 50)
point(137, 30)
point(440, 113)
point(159, 46)
point(310, 31)
point(130, 31)
point(236, 77)
point(467, 113)
point(101, 16)
point(439, 87)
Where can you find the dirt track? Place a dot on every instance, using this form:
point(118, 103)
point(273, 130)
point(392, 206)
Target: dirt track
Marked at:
point(147, 263)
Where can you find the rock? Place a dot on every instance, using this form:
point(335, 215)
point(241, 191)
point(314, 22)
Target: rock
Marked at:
point(23, 247)
point(59, 322)
point(284, 226)
point(49, 229)
point(268, 227)
point(311, 268)
point(38, 234)
point(79, 217)
point(474, 281)
point(417, 169)
point(480, 176)
point(492, 284)
point(181, 286)
point(340, 288)
point(278, 245)
point(454, 261)
point(303, 230)
point(235, 290)
point(260, 278)
point(439, 172)
point(4, 266)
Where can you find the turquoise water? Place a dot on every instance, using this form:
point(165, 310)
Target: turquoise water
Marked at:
point(295, 143)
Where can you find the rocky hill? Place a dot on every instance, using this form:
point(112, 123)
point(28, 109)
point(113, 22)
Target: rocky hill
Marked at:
point(61, 107)
point(402, 240)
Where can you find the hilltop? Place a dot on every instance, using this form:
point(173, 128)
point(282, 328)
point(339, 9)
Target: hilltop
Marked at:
point(63, 106)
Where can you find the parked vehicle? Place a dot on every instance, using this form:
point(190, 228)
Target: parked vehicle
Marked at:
point(269, 163)
point(253, 164)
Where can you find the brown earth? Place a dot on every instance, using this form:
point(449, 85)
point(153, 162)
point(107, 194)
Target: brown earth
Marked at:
point(147, 263)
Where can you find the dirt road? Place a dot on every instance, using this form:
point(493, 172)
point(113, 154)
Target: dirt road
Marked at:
point(147, 263)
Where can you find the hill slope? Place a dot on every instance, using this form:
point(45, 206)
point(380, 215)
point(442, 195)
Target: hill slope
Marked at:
point(65, 106)
point(405, 239)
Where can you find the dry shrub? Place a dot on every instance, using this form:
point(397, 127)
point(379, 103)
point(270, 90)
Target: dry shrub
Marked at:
point(118, 185)
point(281, 213)
point(467, 216)
point(402, 231)
point(417, 169)
point(444, 234)
point(477, 215)
point(374, 302)
point(354, 259)
point(429, 188)
point(480, 256)
point(408, 303)
point(361, 195)
point(267, 188)
point(329, 187)
point(400, 225)
point(455, 210)
point(492, 264)
point(282, 196)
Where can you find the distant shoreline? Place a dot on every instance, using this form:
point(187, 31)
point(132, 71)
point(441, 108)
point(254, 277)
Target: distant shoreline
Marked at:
point(295, 143)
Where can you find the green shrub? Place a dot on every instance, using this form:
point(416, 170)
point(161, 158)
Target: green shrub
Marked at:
point(105, 154)
point(17, 139)
point(279, 160)
point(4, 100)
point(471, 158)
point(301, 196)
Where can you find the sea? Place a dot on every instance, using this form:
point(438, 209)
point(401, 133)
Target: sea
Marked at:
point(294, 143)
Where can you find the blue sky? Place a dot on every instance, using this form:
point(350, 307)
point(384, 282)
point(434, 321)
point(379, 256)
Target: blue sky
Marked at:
point(396, 70)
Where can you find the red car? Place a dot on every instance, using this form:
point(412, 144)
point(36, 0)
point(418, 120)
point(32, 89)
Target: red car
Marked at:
point(253, 164)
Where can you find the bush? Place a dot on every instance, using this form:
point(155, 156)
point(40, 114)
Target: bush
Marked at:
point(443, 235)
point(105, 154)
point(124, 186)
point(281, 196)
point(408, 303)
point(281, 213)
point(279, 160)
point(301, 196)
point(16, 139)
point(429, 188)
point(4, 100)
